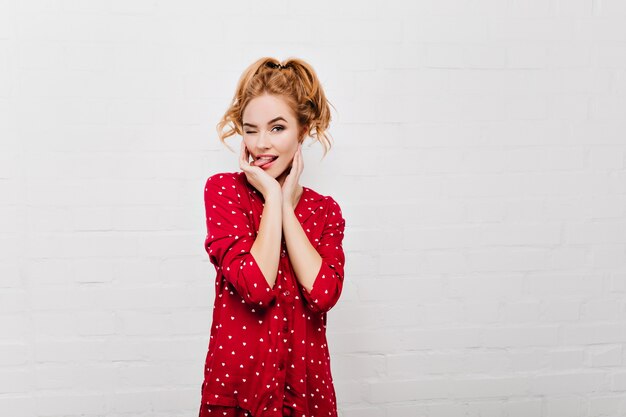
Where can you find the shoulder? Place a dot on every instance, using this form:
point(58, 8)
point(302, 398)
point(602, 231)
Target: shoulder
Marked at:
point(223, 183)
point(330, 204)
point(222, 178)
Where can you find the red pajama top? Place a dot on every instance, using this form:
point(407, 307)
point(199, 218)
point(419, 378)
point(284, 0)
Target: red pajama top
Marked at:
point(268, 345)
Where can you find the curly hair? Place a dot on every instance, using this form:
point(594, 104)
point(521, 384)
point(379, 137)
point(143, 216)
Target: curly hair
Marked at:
point(296, 82)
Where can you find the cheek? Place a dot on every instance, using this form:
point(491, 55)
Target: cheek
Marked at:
point(293, 147)
point(286, 150)
point(248, 144)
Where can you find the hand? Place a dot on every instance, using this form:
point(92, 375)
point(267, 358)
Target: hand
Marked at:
point(257, 176)
point(291, 189)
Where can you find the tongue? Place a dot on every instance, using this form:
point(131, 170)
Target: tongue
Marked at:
point(261, 162)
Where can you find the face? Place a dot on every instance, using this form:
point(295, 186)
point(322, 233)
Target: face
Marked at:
point(270, 128)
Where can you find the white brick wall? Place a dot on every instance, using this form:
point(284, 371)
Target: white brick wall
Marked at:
point(480, 161)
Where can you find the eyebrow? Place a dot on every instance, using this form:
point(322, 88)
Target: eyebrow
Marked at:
point(270, 122)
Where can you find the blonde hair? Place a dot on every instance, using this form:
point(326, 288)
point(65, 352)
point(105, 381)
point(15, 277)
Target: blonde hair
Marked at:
point(296, 82)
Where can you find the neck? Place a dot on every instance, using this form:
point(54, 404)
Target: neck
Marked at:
point(282, 176)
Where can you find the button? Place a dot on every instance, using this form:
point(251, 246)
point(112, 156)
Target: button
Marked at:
point(282, 254)
point(280, 366)
point(285, 328)
point(286, 293)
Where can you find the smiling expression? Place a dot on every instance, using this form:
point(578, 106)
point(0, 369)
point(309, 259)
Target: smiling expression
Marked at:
point(271, 129)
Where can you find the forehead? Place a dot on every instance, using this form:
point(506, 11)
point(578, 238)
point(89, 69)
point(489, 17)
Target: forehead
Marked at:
point(266, 107)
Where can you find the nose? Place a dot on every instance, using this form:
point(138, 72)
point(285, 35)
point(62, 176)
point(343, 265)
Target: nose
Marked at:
point(263, 141)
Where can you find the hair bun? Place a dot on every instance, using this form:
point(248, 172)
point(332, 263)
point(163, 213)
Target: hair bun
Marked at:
point(275, 65)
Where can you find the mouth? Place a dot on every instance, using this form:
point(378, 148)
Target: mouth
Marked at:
point(264, 161)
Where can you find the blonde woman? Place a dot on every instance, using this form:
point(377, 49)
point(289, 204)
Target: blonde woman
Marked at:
point(277, 250)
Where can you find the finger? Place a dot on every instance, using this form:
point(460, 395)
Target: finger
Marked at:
point(246, 155)
point(242, 158)
point(243, 161)
point(241, 152)
point(300, 160)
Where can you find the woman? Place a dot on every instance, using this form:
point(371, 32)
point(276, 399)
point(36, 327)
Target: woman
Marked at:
point(277, 250)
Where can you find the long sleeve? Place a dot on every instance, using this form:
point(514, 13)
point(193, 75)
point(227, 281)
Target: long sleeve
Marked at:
point(329, 280)
point(230, 238)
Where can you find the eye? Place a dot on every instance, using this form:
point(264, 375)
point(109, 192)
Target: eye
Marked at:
point(280, 127)
point(249, 132)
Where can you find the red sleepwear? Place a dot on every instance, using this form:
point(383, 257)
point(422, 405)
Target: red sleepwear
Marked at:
point(267, 354)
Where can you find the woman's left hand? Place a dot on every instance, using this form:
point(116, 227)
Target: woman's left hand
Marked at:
point(291, 188)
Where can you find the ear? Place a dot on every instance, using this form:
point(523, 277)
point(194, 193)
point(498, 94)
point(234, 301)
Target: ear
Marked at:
point(303, 131)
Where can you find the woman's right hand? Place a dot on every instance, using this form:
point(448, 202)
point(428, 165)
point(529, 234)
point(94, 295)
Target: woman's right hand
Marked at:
point(257, 176)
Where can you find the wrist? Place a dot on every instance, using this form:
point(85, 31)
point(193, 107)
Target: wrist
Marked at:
point(273, 195)
point(288, 207)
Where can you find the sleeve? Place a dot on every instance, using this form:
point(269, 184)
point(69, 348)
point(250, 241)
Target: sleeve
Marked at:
point(329, 280)
point(229, 240)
